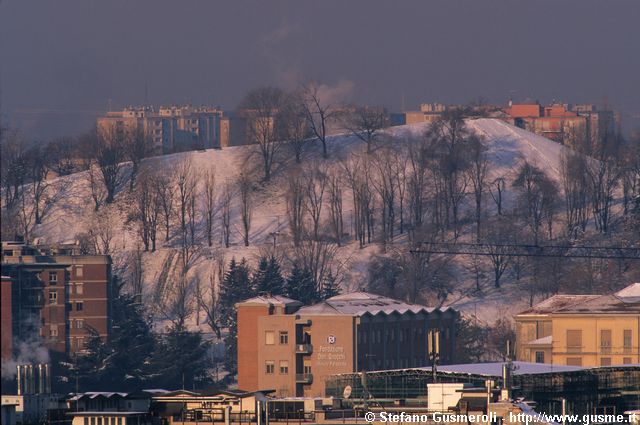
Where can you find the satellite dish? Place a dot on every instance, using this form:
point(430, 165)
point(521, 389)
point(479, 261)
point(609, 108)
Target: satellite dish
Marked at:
point(346, 393)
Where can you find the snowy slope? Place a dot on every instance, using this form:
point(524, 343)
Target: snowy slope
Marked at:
point(508, 146)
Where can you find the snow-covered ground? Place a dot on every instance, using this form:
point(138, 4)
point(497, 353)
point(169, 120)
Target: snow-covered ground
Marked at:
point(508, 147)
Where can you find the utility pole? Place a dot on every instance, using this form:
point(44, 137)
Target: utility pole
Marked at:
point(433, 341)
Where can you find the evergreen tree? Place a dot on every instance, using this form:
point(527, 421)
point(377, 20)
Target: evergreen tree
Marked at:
point(181, 360)
point(235, 287)
point(301, 285)
point(122, 363)
point(330, 287)
point(268, 278)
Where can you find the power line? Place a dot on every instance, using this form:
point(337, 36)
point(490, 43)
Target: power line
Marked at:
point(524, 250)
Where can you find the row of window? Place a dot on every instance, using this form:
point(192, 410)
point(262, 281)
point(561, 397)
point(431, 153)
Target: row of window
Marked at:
point(604, 361)
point(574, 339)
point(53, 300)
point(270, 367)
point(270, 337)
point(404, 335)
point(99, 421)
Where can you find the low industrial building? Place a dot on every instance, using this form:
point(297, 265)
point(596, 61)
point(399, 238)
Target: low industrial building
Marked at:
point(291, 348)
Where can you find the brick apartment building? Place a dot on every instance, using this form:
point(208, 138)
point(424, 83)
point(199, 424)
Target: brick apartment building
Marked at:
point(55, 294)
point(291, 349)
point(563, 123)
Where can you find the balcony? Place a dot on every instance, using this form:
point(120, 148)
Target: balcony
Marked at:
point(304, 348)
point(304, 378)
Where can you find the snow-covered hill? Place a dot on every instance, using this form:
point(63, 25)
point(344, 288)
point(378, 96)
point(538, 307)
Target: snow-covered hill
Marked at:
point(73, 213)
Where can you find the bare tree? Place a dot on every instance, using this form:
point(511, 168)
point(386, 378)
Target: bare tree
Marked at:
point(316, 183)
point(447, 140)
point(38, 168)
point(385, 181)
point(335, 203)
point(13, 167)
point(295, 127)
point(497, 189)
point(165, 194)
point(136, 273)
point(477, 173)
point(574, 183)
point(210, 201)
point(357, 173)
point(225, 203)
point(319, 258)
point(209, 299)
point(147, 208)
point(537, 196)
point(245, 186)
point(262, 108)
point(108, 153)
point(61, 155)
point(295, 199)
point(137, 145)
point(96, 187)
point(366, 123)
point(319, 112)
point(102, 231)
point(498, 234)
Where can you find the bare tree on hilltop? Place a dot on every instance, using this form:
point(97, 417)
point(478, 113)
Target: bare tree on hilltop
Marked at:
point(107, 146)
point(263, 108)
point(138, 145)
point(245, 187)
point(366, 123)
point(320, 114)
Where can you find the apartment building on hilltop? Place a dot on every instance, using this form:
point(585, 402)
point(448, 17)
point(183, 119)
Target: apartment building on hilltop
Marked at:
point(291, 348)
point(170, 129)
point(582, 330)
point(54, 294)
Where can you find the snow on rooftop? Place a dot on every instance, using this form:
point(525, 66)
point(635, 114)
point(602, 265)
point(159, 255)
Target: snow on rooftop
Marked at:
point(542, 341)
point(361, 303)
point(271, 300)
point(631, 293)
point(495, 369)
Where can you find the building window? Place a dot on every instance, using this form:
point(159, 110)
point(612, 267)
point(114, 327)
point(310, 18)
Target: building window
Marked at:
point(53, 297)
point(307, 369)
point(79, 323)
point(53, 278)
point(574, 339)
point(627, 340)
point(79, 306)
point(269, 337)
point(605, 361)
point(626, 360)
point(53, 330)
point(269, 367)
point(284, 337)
point(79, 288)
point(284, 367)
point(539, 356)
point(79, 271)
point(605, 341)
point(574, 361)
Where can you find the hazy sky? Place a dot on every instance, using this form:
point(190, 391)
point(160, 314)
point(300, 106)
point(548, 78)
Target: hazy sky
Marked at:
point(64, 61)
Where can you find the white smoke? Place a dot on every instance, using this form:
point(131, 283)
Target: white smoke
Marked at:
point(27, 351)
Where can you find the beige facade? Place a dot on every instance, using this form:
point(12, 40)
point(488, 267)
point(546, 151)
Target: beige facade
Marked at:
point(582, 330)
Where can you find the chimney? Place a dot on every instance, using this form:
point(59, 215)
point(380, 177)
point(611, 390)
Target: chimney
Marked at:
point(40, 379)
point(19, 379)
point(47, 372)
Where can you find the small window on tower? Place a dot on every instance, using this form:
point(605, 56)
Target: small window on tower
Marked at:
point(79, 288)
point(53, 277)
point(53, 297)
point(79, 271)
point(79, 306)
point(284, 337)
point(269, 338)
